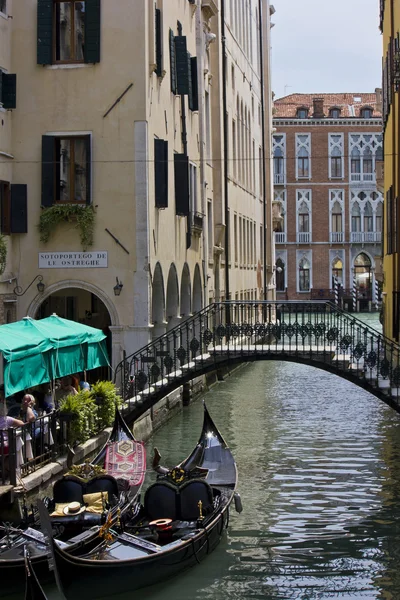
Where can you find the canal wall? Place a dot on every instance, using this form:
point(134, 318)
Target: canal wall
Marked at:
point(40, 483)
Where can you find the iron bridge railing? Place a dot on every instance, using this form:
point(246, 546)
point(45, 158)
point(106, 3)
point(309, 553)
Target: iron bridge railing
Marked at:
point(314, 332)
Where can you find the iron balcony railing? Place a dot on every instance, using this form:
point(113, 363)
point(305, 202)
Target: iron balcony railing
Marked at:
point(314, 332)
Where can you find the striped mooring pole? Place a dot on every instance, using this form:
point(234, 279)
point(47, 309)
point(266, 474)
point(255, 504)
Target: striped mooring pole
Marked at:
point(336, 290)
point(377, 295)
point(354, 294)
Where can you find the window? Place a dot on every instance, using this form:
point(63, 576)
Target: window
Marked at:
point(337, 271)
point(161, 173)
point(366, 113)
point(335, 145)
point(365, 149)
point(66, 164)
point(210, 230)
point(303, 215)
point(193, 188)
point(235, 237)
point(13, 205)
point(8, 90)
point(368, 218)
point(356, 218)
point(334, 113)
point(3, 6)
point(337, 226)
point(280, 275)
point(68, 31)
point(182, 185)
point(158, 40)
point(355, 164)
point(303, 149)
point(302, 113)
point(304, 275)
point(279, 151)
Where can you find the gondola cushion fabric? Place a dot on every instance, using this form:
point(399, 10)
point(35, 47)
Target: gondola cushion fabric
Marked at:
point(95, 502)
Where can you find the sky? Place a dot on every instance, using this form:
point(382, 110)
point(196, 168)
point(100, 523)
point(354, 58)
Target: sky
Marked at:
point(326, 46)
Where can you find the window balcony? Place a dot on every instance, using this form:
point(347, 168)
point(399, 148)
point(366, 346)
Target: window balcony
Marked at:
point(362, 177)
point(366, 237)
point(304, 238)
point(337, 237)
point(280, 237)
point(279, 178)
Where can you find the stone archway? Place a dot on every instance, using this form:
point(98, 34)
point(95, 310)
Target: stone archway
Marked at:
point(172, 302)
point(197, 303)
point(158, 302)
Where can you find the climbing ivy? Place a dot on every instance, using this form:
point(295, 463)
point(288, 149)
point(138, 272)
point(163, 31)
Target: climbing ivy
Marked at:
point(82, 214)
point(3, 254)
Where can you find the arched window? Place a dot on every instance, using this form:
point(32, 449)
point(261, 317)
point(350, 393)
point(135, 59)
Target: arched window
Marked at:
point(278, 163)
point(356, 218)
point(303, 163)
point(378, 217)
point(337, 222)
point(368, 167)
point(366, 113)
point(304, 275)
point(355, 164)
point(302, 112)
point(362, 273)
point(336, 163)
point(368, 218)
point(334, 113)
point(280, 275)
point(337, 271)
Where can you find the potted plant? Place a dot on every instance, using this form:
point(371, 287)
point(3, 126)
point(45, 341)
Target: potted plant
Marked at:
point(80, 412)
point(106, 397)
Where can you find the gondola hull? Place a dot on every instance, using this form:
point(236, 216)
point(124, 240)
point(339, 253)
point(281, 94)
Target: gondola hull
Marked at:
point(94, 579)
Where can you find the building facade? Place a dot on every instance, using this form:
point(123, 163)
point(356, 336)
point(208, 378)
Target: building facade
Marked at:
point(328, 211)
point(112, 161)
point(390, 27)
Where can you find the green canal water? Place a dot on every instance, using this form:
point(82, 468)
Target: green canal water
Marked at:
point(319, 476)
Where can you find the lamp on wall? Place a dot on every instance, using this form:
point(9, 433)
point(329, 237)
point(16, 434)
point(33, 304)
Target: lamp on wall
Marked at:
point(18, 291)
point(118, 287)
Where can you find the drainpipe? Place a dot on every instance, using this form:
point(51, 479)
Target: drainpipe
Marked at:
point(264, 178)
point(225, 151)
point(200, 83)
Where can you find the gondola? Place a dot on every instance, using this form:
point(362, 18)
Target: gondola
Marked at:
point(79, 532)
point(180, 522)
point(33, 589)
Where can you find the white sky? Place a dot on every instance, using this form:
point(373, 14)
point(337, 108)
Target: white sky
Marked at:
point(326, 46)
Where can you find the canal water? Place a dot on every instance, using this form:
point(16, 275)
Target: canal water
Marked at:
point(319, 477)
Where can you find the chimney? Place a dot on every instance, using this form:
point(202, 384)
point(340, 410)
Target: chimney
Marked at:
point(318, 104)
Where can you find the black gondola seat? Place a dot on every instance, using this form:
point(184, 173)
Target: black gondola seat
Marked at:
point(72, 489)
point(164, 500)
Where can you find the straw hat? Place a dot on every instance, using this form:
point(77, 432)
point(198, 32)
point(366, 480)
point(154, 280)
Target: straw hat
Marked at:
point(74, 508)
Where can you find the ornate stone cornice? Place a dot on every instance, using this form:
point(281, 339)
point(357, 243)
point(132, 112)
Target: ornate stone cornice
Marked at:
point(284, 121)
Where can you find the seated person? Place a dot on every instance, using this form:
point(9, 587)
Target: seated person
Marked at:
point(65, 389)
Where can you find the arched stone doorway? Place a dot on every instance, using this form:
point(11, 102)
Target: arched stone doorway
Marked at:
point(363, 277)
point(172, 304)
point(197, 303)
point(158, 302)
point(79, 302)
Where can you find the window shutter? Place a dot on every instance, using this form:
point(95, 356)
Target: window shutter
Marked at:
point(182, 66)
point(5, 207)
point(48, 167)
point(158, 43)
point(190, 95)
point(88, 170)
point(161, 173)
point(9, 90)
point(1, 87)
point(45, 32)
point(19, 208)
point(92, 31)
point(172, 60)
point(181, 168)
point(195, 89)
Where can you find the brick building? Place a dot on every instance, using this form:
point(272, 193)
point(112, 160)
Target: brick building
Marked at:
point(327, 209)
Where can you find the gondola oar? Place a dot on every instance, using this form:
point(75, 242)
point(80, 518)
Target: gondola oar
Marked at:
point(33, 589)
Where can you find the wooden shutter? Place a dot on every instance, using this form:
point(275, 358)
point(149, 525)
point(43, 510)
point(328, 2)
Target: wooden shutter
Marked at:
point(88, 169)
point(5, 207)
point(172, 61)
point(182, 65)
point(190, 95)
point(48, 170)
point(159, 65)
point(45, 32)
point(161, 173)
point(9, 90)
point(92, 31)
point(195, 88)
point(19, 208)
point(181, 172)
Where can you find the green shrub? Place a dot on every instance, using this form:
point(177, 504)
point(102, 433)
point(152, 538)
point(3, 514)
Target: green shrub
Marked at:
point(107, 398)
point(83, 410)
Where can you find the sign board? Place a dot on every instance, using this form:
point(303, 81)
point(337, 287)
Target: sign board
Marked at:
point(73, 260)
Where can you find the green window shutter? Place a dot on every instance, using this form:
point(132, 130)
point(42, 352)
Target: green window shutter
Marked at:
point(172, 61)
point(159, 65)
point(9, 90)
point(19, 208)
point(88, 170)
point(44, 32)
point(48, 170)
point(190, 95)
point(195, 88)
point(92, 31)
point(5, 207)
point(181, 172)
point(1, 86)
point(161, 173)
point(182, 66)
